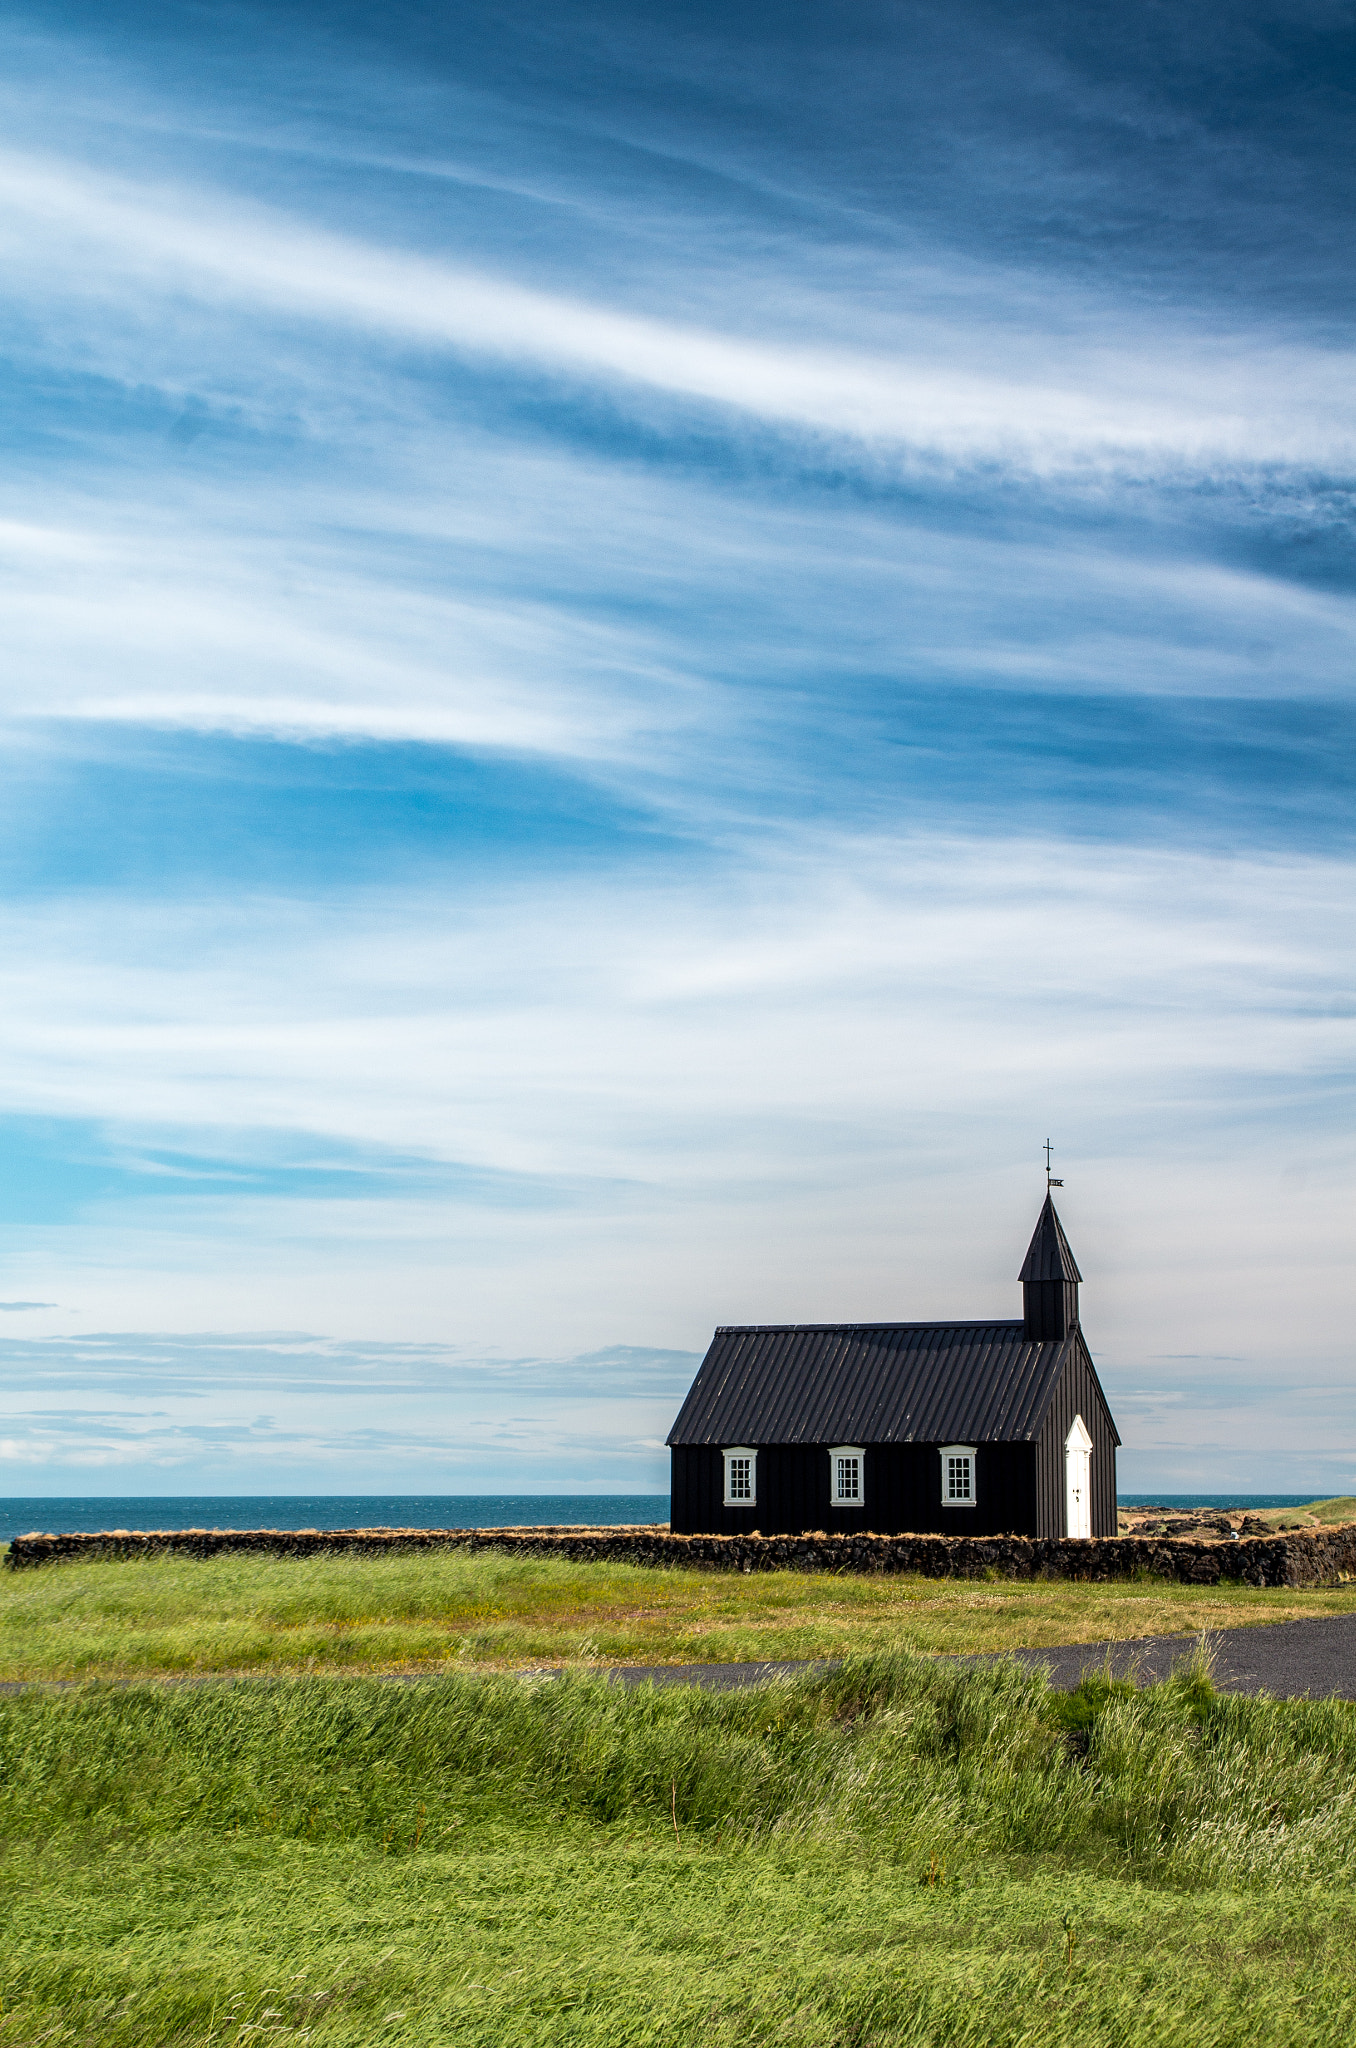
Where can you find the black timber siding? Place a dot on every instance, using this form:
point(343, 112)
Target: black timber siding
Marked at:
point(1051, 1309)
point(903, 1486)
point(1077, 1392)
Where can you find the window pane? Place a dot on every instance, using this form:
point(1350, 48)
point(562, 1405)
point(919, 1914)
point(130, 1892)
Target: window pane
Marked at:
point(739, 1478)
point(846, 1479)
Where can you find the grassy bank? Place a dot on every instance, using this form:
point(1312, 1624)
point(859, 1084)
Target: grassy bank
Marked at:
point(1315, 1514)
point(453, 1610)
point(1341, 1508)
point(897, 1854)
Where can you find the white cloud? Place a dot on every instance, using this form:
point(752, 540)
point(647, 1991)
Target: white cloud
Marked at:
point(1195, 402)
point(181, 1414)
point(699, 524)
point(616, 622)
point(207, 628)
point(805, 1090)
point(524, 1026)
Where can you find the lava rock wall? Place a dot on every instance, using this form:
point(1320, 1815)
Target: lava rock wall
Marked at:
point(1314, 1558)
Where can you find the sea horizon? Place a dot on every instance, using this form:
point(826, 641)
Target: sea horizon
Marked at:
point(76, 1514)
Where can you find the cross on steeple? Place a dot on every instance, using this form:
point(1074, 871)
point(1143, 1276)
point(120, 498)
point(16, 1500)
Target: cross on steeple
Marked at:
point(1050, 1180)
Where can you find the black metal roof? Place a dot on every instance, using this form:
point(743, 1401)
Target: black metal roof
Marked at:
point(872, 1383)
point(1048, 1256)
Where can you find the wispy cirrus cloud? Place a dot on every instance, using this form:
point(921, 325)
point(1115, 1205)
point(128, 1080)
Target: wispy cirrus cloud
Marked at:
point(765, 1097)
point(142, 1411)
point(1182, 401)
point(628, 673)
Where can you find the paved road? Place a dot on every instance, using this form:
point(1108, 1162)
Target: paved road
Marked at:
point(1291, 1659)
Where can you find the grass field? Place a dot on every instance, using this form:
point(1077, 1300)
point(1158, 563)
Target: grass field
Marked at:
point(454, 1610)
point(898, 1853)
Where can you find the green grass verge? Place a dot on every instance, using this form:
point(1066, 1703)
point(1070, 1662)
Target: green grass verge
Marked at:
point(451, 1610)
point(897, 1853)
point(1341, 1509)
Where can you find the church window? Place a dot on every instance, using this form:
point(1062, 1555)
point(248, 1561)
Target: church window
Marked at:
point(741, 1477)
point(958, 1476)
point(847, 1476)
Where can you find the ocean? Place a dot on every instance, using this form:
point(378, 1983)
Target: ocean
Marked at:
point(21, 1516)
point(67, 1516)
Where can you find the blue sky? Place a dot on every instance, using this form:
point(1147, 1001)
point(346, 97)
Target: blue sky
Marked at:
point(640, 646)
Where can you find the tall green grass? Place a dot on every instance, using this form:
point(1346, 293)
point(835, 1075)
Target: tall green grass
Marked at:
point(96, 1618)
point(891, 1853)
point(896, 1755)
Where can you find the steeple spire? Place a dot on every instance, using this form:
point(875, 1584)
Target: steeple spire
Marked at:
point(1049, 1278)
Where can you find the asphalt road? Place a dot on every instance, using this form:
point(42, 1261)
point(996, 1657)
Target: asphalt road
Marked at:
point(1290, 1659)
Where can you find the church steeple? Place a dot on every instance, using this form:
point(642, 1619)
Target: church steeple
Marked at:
point(1049, 1278)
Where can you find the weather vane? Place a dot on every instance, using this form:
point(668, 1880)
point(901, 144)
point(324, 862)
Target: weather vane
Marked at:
point(1050, 1179)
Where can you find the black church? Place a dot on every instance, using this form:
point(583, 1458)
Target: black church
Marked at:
point(955, 1428)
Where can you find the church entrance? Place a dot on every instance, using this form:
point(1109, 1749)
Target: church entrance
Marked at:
point(1077, 1490)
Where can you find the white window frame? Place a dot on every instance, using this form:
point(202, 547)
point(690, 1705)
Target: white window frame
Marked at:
point(968, 1452)
point(837, 1498)
point(749, 1500)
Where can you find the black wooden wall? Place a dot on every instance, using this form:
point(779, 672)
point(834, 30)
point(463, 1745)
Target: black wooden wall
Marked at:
point(1019, 1487)
point(903, 1484)
point(1077, 1393)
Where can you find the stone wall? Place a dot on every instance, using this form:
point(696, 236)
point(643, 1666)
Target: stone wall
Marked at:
point(1315, 1558)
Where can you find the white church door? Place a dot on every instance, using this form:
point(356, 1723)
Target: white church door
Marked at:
point(1077, 1486)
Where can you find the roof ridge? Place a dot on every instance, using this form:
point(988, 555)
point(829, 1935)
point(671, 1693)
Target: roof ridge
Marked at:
point(934, 1323)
